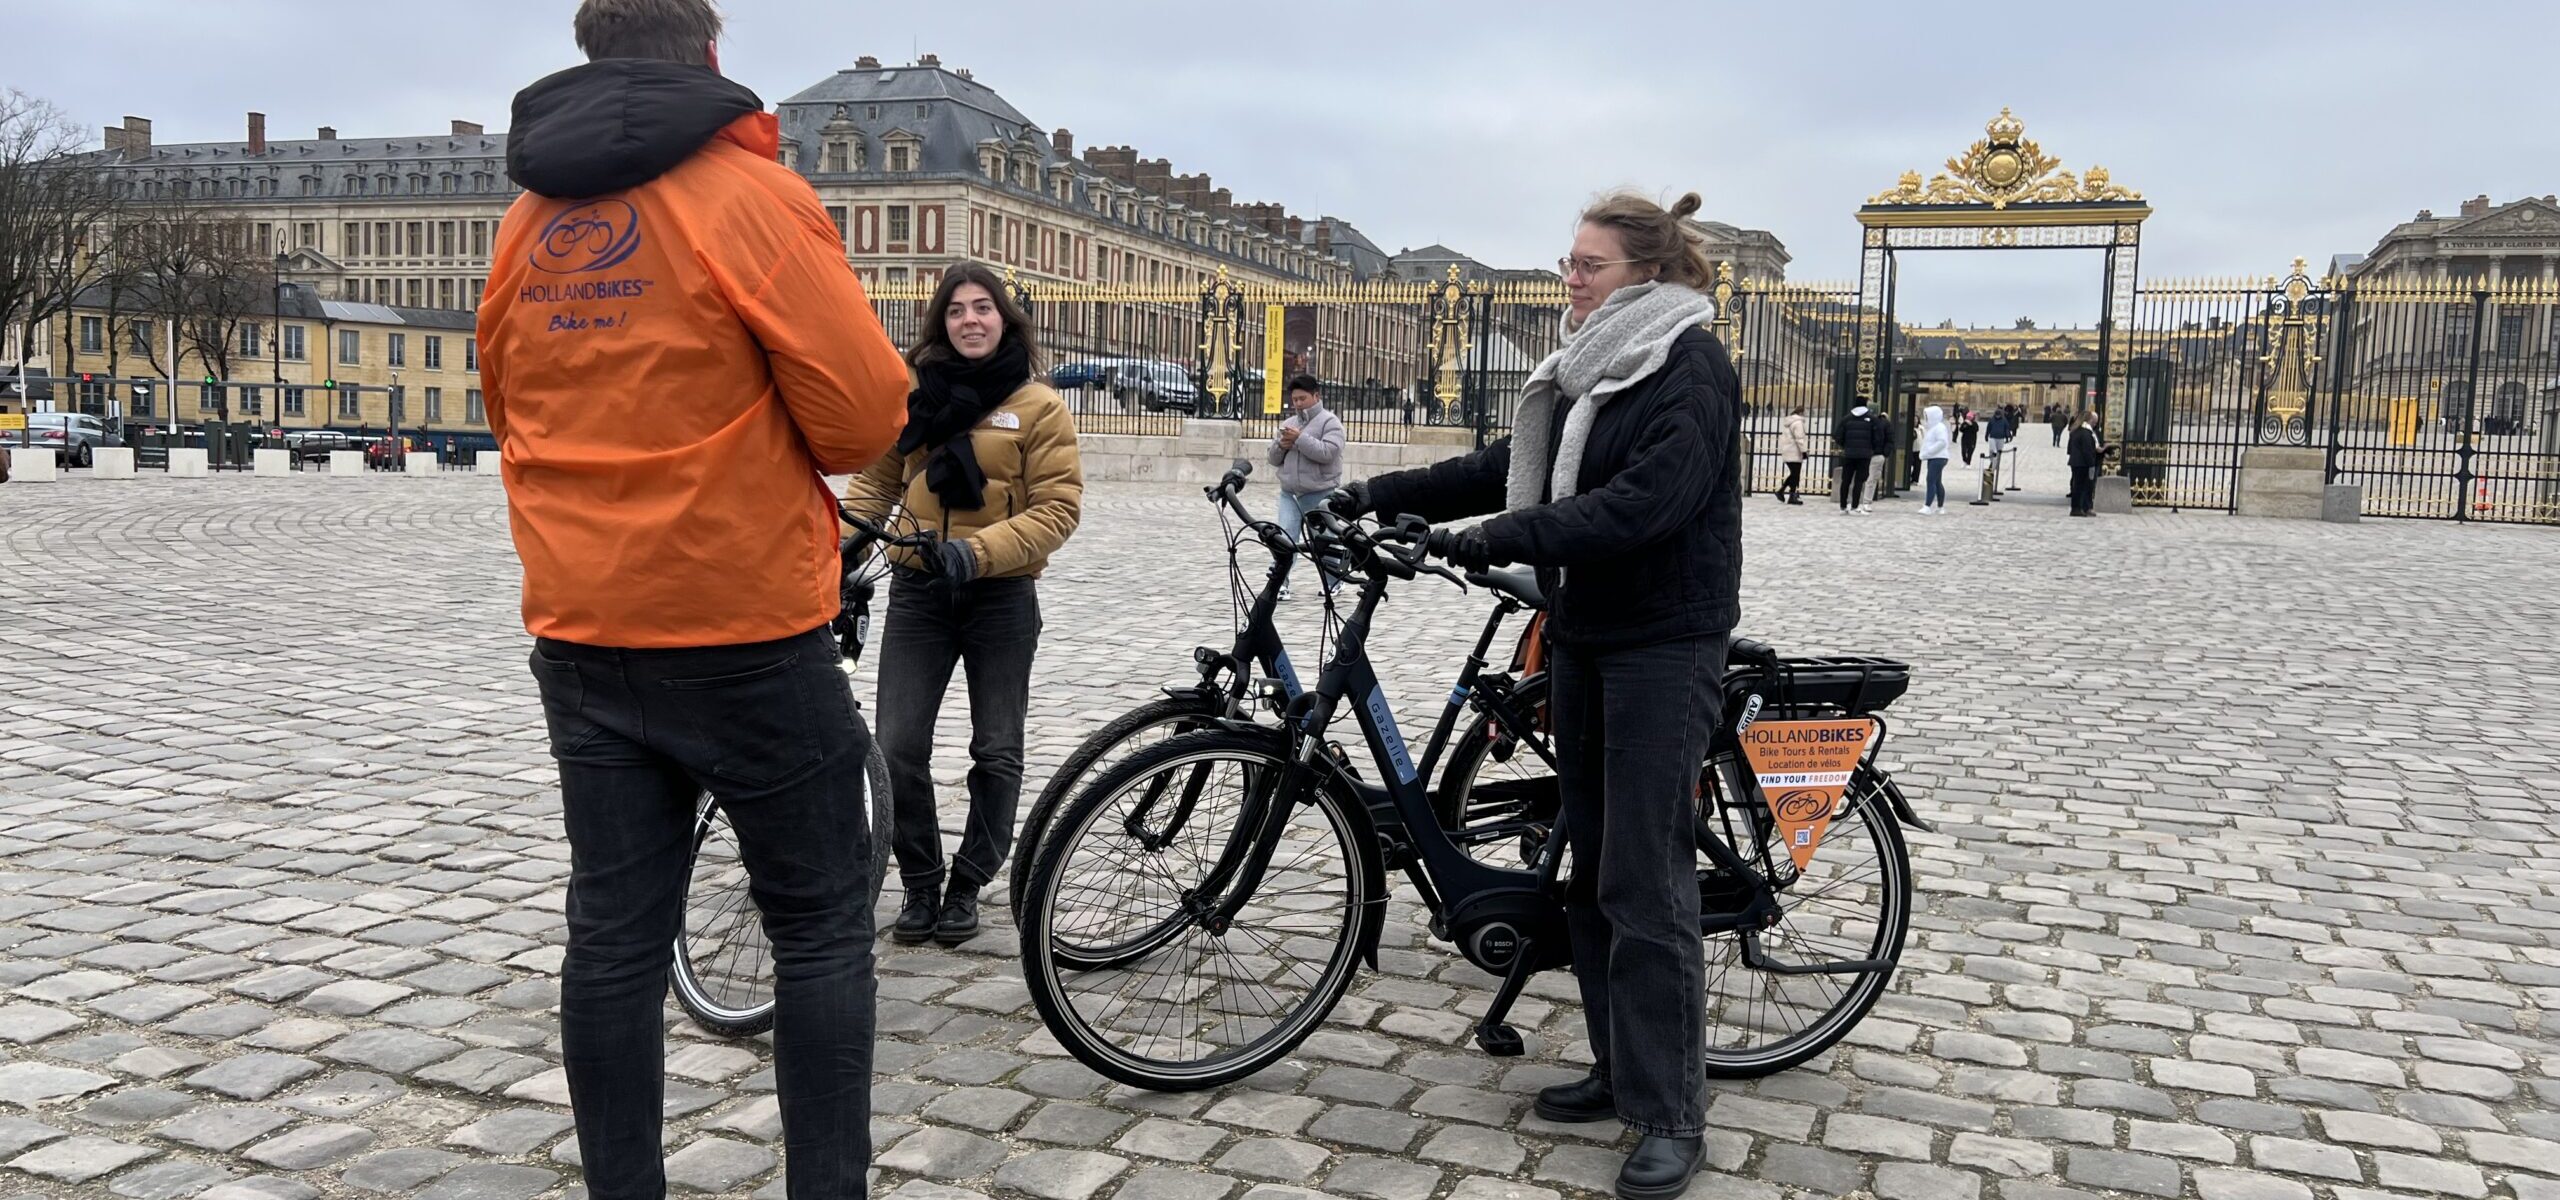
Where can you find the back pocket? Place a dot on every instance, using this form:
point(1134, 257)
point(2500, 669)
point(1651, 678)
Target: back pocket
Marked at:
point(757, 726)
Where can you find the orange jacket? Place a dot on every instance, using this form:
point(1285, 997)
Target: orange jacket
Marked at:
point(668, 369)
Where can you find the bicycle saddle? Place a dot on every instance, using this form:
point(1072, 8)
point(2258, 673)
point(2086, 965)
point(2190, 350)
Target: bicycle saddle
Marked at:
point(1519, 583)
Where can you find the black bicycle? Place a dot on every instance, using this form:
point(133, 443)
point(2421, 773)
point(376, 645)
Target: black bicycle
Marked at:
point(1496, 790)
point(723, 963)
point(1201, 906)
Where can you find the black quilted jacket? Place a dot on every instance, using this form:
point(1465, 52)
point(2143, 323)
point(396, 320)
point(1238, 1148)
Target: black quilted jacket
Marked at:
point(1650, 548)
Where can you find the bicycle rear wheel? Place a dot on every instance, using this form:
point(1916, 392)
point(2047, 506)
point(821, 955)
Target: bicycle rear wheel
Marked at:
point(723, 975)
point(1181, 1008)
point(1135, 730)
point(1852, 903)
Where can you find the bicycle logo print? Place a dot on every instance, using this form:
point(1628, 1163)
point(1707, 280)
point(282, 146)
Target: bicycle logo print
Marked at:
point(594, 236)
point(1803, 767)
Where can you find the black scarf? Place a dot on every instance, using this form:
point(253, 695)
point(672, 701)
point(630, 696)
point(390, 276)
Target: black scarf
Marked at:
point(952, 395)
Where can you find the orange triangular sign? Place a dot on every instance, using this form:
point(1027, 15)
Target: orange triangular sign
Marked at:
point(1803, 767)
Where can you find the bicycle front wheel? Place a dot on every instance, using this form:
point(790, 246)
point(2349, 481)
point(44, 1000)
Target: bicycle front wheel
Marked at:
point(1852, 903)
point(1135, 730)
point(1184, 1007)
point(723, 975)
point(1498, 797)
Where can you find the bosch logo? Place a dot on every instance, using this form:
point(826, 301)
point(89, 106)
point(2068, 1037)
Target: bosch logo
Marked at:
point(594, 236)
point(1802, 805)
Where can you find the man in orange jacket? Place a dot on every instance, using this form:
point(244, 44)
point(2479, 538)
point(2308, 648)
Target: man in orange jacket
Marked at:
point(674, 349)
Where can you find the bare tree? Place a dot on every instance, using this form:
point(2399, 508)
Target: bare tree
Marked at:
point(198, 271)
point(50, 210)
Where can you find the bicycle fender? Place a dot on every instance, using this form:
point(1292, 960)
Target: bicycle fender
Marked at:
point(1902, 809)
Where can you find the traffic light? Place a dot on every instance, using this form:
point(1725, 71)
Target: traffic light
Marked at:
point(328, 385)
point(86, 377)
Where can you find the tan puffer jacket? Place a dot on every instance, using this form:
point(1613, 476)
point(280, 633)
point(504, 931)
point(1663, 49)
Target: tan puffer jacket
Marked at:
point(1035, 487)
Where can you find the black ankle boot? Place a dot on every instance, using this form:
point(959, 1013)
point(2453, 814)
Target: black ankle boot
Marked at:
point(916, 917)
point(1575, 1103)
point(1660, 1166)
point(959, 920)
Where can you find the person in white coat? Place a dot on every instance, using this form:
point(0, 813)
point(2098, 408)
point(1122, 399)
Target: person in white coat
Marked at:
point(1793, 450)
point(1937, 441)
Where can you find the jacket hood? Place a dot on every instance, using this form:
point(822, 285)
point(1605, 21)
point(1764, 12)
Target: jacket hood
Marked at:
point(617, 123)
point(1933, 416)
point(1858, 410)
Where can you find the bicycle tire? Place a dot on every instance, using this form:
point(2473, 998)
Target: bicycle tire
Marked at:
point(1360, 879)
point(1484, 738)
point(1094, 752)
point(1864, 800)
point(726, 985)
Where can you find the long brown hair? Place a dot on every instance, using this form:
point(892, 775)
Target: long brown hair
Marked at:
point(935, 343)
point(1657, 237)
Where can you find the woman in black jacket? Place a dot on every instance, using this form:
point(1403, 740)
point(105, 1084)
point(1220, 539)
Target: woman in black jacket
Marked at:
point(2086, 454)
point(1619, 484)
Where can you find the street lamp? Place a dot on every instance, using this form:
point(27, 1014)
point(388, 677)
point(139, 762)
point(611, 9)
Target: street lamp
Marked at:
point(275, 337)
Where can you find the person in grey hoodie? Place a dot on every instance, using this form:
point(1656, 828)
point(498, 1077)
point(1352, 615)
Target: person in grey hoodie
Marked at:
point(1308, 451)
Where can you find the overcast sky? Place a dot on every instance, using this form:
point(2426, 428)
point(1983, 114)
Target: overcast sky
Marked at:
point(2258, 130)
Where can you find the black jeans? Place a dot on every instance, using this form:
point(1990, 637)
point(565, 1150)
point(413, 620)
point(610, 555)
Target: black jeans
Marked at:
point(1632, 729)
point(2084, 489)
point(769, 729)
point(1853, 481)
point(1793, 489)
point(993, 625)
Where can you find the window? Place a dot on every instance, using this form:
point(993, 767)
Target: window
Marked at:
point(142, 400)
point(417, 293)
point(901, 222)
point(396, 349)
point(479, 239)
point(350, 347)
point(836, 213)
point(249, 342)
point(93, 335)
point(252, 401)
point(414, 244)
point(872, 113)
point(470, 354)
point(435, 352)
point(355, 185)
point(310, 185)
point(900, 157)
point(293, 402)
point(2457, 335)
point(444, 293)
point(208, 396)
point(293, 344)
point(381, 243)
point(141, 337)
point(355, 236)
point(838, 159)
point(2510, 337)
point(922, 111)
point(93, 395)
point(445, 241)
point(350, 403)
point(435, 406)
point(471, 409)
point(897, 274)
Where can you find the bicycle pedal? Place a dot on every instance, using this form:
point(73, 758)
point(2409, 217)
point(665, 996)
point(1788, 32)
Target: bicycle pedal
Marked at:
point(1500, 1041)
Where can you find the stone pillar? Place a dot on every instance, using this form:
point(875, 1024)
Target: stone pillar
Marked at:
point(2114, 496)
point(421, 462)
point(488, 462)
point(189, 462)
point(2288, 482)
point(30, 465)
point(346, 462)
point(111, 462)
point(270, 462)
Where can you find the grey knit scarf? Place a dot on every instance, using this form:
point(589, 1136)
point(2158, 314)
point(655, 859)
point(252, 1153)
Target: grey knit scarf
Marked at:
point(1621, 344)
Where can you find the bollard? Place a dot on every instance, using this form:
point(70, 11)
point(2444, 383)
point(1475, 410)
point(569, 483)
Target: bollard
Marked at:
point(271, 462)
point(346, 462)
point(189, 462)
point(420, 462)
point(30, 465)
point(111, 462)
point(489, 462)
point(1990, 481)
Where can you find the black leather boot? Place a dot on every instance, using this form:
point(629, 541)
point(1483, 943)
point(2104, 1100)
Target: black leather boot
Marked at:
point(1660, 1166)
point(1576, 1103)
point(959, 920)
point(917, 916)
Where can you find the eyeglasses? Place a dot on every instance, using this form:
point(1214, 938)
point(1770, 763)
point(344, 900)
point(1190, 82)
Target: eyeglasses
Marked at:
point(1588, 267)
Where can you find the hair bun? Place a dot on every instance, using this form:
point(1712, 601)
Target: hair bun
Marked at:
point(1686, 206)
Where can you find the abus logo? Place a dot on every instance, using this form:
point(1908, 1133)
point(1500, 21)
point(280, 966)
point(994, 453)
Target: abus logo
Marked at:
point(590, 237)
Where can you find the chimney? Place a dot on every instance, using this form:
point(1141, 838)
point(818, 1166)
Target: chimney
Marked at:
point(1155, 174)
point(2426, 214)
point(1064, 143)
point(137, 134)
point(257, 133)
point(2477, 206)
point(328, 134)
point(467, 129)
point(964, 74)
point(115, 138)
point(866, 63)
point(1324, 238)
point(930, 60)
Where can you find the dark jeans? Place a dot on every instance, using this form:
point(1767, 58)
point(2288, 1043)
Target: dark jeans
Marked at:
point(1853, 482)
point(1793, 489)
point(993, 625)
point(1632, 728)
point(2084, 489)
point(1936, 493)
point(769, 729)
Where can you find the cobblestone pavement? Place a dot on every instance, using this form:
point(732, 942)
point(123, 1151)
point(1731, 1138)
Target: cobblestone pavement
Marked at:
point(2243, 889)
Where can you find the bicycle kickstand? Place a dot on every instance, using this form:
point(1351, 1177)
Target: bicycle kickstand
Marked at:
point(1494, 1035)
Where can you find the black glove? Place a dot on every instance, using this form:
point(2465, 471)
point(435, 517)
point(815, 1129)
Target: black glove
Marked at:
point(1464, 548)
point(1350, 501)
point(959, 565)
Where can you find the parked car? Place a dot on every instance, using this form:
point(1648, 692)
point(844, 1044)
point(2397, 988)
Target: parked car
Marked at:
point(315, 445)
point(1156, 386)
point(1082, 373)
point(74, 438)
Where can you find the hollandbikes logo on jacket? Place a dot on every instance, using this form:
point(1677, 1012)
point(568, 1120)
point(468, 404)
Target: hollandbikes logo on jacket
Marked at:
point(584, 239)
